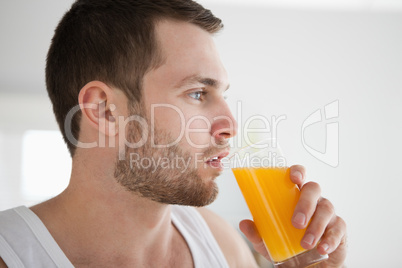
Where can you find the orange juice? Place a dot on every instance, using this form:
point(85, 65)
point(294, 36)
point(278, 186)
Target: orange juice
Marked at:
point(271, 198)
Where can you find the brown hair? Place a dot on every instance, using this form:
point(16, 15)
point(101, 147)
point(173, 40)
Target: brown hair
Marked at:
point(112, 41)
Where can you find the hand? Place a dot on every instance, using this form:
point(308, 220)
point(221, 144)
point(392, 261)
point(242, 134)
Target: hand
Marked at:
point(325, 225)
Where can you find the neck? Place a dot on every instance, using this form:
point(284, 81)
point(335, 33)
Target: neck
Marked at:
point(96, 219)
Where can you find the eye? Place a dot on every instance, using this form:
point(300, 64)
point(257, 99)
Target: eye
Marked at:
point(197, 95)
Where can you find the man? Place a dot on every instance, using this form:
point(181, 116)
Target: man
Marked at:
point(146, 141)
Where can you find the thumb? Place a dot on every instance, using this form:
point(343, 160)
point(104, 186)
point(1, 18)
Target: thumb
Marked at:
point(249, 229)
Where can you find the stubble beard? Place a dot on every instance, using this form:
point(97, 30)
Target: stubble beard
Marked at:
point(181, 185)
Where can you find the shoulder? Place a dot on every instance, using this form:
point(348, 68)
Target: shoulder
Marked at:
point(233, 246)
point(2, 263)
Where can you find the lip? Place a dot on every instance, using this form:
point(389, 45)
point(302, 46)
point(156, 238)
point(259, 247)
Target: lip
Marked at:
point(215, 160)
point(218, 156)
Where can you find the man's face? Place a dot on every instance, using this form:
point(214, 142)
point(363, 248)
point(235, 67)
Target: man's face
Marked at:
point(190, 122)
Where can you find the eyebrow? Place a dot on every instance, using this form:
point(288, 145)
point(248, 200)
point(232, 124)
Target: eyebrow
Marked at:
point(193, 79)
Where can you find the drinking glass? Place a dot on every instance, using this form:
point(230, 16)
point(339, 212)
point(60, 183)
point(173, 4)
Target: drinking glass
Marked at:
point(264, 180)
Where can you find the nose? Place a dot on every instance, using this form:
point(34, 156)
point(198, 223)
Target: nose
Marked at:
point(224, 126)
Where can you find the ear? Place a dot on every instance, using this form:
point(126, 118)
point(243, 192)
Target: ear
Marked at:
point(96, 103)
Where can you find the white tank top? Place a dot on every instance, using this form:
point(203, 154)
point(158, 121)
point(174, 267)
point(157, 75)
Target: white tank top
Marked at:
point(25, 241)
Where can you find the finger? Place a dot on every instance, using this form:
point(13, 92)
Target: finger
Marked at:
point(323, 215)
point(297, 175)
point(334, 237)
point(250, 231)
point(306, 206)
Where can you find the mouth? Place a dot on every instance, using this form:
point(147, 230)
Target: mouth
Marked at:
point(215, 160)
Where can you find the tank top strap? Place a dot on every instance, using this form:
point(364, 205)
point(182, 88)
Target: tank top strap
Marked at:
point(203, 246)
point(25, 241)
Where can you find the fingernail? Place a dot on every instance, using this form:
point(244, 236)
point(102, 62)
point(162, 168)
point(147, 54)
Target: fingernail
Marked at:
point(297, 174)
point(309, 239)
point(300, 218)
point(325, 247)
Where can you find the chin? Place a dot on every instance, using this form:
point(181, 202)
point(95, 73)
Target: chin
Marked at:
point(209, 175)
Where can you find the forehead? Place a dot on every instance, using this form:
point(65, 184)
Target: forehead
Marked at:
point(188, 51)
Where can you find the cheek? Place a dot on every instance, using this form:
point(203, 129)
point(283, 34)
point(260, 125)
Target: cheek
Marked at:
point(184, 126)
point(197, 132)
point(168, 119)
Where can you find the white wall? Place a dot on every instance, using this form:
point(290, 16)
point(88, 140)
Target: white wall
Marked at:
point(281, 62)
